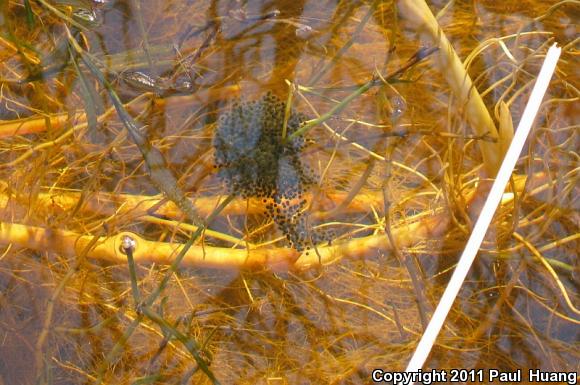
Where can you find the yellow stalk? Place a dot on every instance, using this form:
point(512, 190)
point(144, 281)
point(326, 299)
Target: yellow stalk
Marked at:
point(406, 233)
point(109, 249)
point(458, 79)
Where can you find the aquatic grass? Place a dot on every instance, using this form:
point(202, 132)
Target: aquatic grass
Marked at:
point(275, 258)
point(146, 48)
point(26, 126)
point(375, 80)
point(318, 74)
point(459, 80)
point(67, 248)
point(160, 175)
point(90, 98)
point(29, 14)
point(165, 181)
point(245, 323)
point(144, 310)
point(38, 124)
point(61, 15)
point(20, 46)
point(485, 218)
point(42, 366)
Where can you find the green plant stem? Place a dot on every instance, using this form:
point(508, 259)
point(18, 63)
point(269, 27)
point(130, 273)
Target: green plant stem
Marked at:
point(190, 344)
point(62, 15)
point(155, 294)
point(159, 173)
point(167, 183)
point(336, 109)
point(420, 55)
point(287, 109)
point(173, 267)
point(133, 276)
point(88, 97)
point(29, 14)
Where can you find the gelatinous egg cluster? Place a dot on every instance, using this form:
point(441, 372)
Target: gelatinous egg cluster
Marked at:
point(254, 160)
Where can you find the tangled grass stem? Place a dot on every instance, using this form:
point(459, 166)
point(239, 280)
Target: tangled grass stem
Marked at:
point(419, 56)
point(458, 79)
point(160, 174)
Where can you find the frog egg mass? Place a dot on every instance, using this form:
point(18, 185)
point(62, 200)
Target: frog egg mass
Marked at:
point(254, 160)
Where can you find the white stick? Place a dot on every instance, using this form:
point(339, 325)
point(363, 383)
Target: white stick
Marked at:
point(493, 199)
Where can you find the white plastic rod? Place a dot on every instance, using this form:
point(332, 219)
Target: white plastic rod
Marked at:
point(491, 203)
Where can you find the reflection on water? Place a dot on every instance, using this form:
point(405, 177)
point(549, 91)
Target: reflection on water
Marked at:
point(399, 163)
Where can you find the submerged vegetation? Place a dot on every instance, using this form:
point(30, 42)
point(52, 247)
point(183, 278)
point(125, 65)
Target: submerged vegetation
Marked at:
point(277, 192)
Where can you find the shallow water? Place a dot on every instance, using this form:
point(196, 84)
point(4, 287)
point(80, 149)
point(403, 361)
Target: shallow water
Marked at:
point(244, 306)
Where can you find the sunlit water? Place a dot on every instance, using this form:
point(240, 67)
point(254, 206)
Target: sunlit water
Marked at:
point(405, 146)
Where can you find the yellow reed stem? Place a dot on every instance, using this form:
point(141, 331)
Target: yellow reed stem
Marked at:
point(62, 201)
point(69, 243)
point(406, 233)
point(458, 79)
point(37, 123)
point(138, 205)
